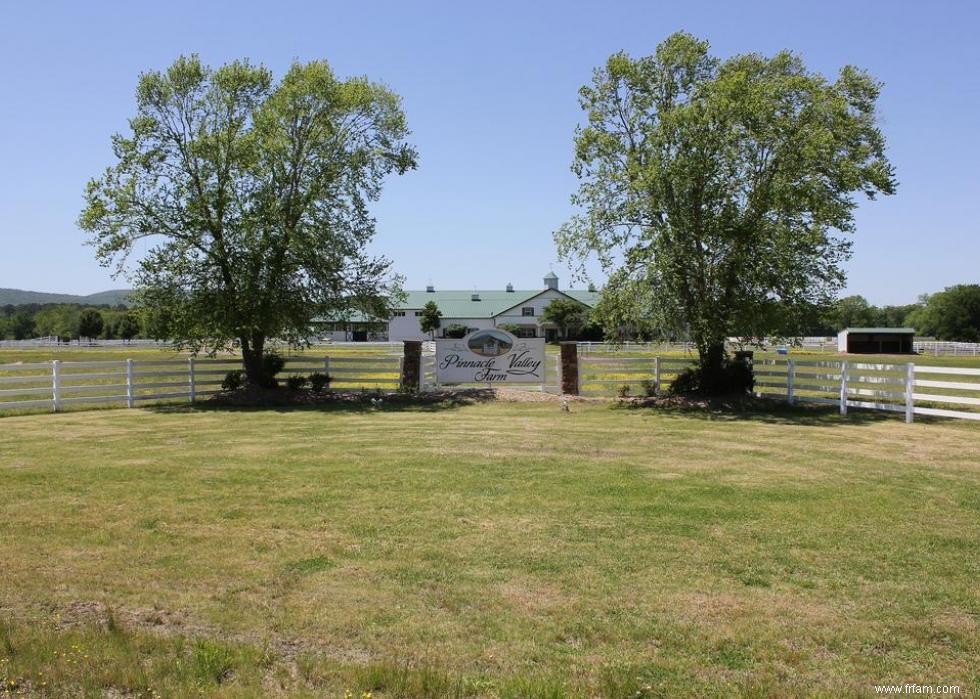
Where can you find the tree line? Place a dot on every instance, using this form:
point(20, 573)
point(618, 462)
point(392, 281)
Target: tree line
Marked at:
point(70, 321)
point(952, 314)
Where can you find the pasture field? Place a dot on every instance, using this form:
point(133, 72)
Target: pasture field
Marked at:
point(115, 353)
point(498, 549)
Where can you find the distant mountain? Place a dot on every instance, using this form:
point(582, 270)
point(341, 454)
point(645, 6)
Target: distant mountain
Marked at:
point(103, 298)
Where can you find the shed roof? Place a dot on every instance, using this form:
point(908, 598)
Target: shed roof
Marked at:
point(879, 331)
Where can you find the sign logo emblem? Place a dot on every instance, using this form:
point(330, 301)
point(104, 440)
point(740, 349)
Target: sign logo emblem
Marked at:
point(489, 343)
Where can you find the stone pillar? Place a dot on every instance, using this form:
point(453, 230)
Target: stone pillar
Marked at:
point(411, 366)
point(569, 368)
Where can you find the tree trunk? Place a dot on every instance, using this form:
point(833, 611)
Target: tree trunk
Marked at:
point(711, 362)
point(253, 350)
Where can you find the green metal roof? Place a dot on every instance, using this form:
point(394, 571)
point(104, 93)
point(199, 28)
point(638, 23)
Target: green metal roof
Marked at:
point(460, 304)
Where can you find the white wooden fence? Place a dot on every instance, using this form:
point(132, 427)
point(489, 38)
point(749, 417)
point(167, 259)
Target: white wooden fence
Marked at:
point(58, 384)
point(911, 389)
point(427, 372)
point(56, 343)
point(949, 349)
point(605, 374)
point(628, 347)
point(820, 344)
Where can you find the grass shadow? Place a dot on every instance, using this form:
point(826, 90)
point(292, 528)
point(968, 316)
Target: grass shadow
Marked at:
point(764, 411)
point(342, 402)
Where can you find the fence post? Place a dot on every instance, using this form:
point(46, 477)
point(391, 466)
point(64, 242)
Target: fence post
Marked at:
point(569, 368)
point(410, 365)
point(790, 380)
point(55, 385)
point(130, 392)
point(909, 390)
point(843, 387)
point(190, 379)
point(656, 374)
point(326, 366)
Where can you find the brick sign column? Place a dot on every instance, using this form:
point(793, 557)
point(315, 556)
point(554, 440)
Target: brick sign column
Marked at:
point(411, 365)
point(569, 368)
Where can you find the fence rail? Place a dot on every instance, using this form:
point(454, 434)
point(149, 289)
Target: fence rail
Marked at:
point(948, 349)
point(628, 347)
point(822, 344)
point(57, 384)
point(911, 388)
point(598, 374)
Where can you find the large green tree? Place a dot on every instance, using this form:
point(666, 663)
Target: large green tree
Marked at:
point(951, 314)
point(127, 327)
point(90, 323)
point(58, 321)
point(430, 320)
point(248, 199)
point(722, 190)
point(568, 315)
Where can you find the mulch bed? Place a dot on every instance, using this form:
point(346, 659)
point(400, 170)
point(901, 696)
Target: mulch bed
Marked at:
point(252, 396)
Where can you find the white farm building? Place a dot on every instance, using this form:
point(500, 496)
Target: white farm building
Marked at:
point(476, 310)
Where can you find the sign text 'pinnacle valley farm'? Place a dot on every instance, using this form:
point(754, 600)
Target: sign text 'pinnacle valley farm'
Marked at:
point(490, 356)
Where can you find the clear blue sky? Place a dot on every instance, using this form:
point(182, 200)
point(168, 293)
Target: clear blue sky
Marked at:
point(490, 93)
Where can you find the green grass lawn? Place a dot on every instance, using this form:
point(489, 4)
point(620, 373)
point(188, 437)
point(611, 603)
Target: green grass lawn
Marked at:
point(500, 549)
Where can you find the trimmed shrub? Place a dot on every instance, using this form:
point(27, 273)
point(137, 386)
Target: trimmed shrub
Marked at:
point(319, 381)
point(623, 391)
point(233, 380)
point(296, 382)
point(649, 387)
point(455, 331)
point(272, 364)
point(735, 376)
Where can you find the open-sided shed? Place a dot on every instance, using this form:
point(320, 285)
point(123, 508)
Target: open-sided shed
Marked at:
point(876, 340)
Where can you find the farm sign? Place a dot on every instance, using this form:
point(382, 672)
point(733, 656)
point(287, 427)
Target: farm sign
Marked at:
point(490, 356)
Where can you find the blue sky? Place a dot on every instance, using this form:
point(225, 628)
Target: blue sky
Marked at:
point(490, 90)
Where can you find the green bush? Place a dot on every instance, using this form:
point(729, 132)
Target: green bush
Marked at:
point(319, 381)
point(233, 380)
point(623, 391)
point(455, 331)
point(649, 387)
point(734, 377)
point(272, 364)
point(296, 382)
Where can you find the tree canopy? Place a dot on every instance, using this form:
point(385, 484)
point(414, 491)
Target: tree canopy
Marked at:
point(857, 312)
point(90, 323)
point(719, 192)
point(250, 198)
point(568, 314)
point(430, 321)
point(951, 314)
